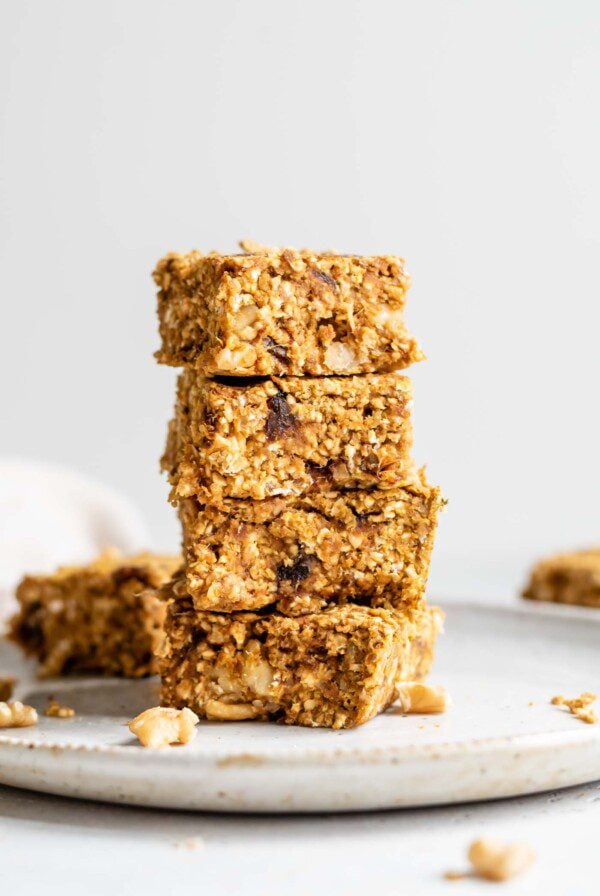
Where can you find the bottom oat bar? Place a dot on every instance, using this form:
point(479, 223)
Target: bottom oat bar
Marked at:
point(103, 618)
point(572, 578)
point(334, 669)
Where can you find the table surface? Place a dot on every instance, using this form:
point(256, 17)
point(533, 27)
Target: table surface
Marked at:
point(52, 845)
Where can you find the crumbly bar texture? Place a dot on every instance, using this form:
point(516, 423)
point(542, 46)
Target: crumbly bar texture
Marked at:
point(572, 578)
point(286, 436)
point(301, 554)
point(283, 311)
point(335, 669)
point(103, 618)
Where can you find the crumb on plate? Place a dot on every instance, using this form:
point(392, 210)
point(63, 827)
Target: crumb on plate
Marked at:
point(55, 710)
point(579, 706)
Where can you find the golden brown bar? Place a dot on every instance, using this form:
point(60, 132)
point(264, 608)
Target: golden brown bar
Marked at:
point(248, 438)
point(335, 669)
point(303, 553)
point(103, 618)
point(571, 578)
point(282, 311)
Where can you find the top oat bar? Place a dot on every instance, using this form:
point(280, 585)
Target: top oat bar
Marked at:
point(283, 311)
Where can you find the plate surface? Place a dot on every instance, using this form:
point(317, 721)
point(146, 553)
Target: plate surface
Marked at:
point(501, 738)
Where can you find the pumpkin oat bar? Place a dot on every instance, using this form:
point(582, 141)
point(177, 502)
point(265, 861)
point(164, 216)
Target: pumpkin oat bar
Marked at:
point(282, 311)
point(306, 552)
point(249, 438)
point(103, 618)
point(571, 578)
point(334, 669)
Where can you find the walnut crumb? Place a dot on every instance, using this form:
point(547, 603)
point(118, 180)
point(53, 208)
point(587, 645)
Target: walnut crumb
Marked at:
point(455, 875)
point(160, 726)
point(499, 861)
point(416, 697)
point(7, 686)
point(54, 710)
point(190, 844)
point(17, 715)
point(579, 706)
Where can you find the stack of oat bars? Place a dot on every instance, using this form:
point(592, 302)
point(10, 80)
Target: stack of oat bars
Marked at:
point(307, 528)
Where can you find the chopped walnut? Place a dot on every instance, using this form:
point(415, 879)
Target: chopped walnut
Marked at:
point(417, 697)
point(17, 715)
point(340, 357)
point(243, 358)
point(230, 712)
point(160, 726)
point(7, 685)
point(579, 706)
point(54, 710)
point(246, 317)
point(499, 861)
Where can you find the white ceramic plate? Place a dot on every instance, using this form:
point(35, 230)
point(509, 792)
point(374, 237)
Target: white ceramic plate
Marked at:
point(501, 738)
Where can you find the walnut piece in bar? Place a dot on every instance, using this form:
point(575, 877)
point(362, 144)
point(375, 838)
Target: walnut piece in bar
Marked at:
point(103, 618)
point(303, 553)
point(570, 578)
point(285, 436)
point(282, 311)
point(335, 669)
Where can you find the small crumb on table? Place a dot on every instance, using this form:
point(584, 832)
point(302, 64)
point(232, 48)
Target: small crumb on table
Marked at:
point(455, 875)
point(495, 861)
point(579, 706)
point(190, 844)
point(499, 861)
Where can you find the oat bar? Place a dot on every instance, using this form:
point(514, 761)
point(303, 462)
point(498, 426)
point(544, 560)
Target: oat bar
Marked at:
point(571, 578)
point(282, 311)
point(248, 438)
point(334, 669)
point(305, 552)
point(103, 618)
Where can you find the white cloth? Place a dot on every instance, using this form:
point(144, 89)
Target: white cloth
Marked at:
point(51, 516)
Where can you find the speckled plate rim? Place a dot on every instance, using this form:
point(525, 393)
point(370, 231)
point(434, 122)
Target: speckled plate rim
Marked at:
point(311, 755)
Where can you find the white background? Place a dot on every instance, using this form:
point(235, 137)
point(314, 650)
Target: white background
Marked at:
point(463, 135)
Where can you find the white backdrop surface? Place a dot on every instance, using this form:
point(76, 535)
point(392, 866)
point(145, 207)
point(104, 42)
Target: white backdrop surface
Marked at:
point(462, 135)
